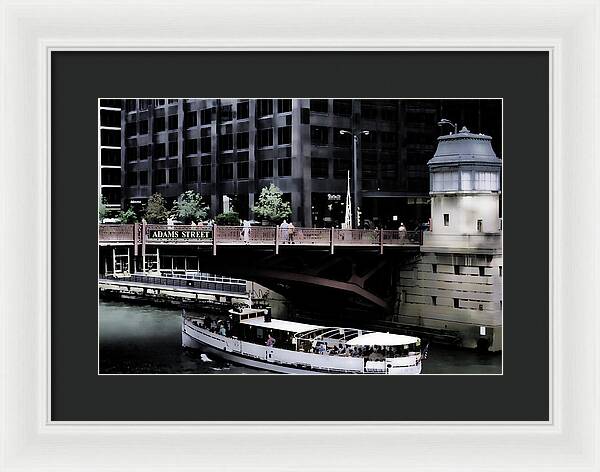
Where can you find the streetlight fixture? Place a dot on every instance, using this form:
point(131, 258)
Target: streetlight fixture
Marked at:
point(355, 169)
point(445, 121)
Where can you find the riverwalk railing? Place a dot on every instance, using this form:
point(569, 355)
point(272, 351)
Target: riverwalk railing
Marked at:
point(276, 236)
point(190, 281)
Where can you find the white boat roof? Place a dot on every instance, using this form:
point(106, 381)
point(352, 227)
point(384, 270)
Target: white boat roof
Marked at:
point(381, 339)
point(284, 325)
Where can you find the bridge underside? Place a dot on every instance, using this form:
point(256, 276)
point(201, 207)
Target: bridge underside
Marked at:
point(349, 281)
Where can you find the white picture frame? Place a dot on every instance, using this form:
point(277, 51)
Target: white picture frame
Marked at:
point(567, 29)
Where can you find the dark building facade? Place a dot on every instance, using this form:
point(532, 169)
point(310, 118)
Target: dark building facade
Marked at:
point(235, 147)
point(109, 149)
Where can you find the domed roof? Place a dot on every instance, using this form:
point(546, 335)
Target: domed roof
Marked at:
point(464, 147)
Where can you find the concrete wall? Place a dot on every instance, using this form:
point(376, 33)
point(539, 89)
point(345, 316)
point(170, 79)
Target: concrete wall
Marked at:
point(454, 292)
point(464, 210)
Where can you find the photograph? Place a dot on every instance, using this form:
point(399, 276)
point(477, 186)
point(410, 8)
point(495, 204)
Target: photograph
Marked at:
point(334, 236)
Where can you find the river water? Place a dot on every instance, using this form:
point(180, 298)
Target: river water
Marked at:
point(145, 339)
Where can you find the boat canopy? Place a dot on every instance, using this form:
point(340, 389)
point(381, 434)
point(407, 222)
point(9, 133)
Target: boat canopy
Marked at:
point(382, 339)
point(282, 325)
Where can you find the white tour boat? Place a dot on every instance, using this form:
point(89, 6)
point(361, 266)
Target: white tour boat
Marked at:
point(251, 337)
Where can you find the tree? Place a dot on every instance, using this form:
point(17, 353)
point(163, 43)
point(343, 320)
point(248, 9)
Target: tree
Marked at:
point(128, 216)
point(230, 218)
point(189, 207)
point(156, 209)
point(271, 206)
point(102, 210)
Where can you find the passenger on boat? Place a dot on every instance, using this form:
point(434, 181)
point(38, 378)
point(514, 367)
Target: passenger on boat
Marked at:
point(222, 330)
point(270, 341)
point(376, 355)
point(213, 326)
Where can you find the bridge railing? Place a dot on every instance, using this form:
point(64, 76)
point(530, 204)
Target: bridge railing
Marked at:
point(318, 236)
point(267, 235)
point(116, 232)
point(241, 235)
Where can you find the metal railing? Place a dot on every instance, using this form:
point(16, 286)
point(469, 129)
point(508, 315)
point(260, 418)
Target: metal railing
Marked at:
point(254, 235)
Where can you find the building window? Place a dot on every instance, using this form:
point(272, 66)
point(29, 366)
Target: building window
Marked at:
point(226, 113)
point(341, 168)
point(132, 178)
point(159, 102)
point(482, 271)
point(319, 106)
point(143, 150)
point(226, 171)
point(205, 173)
point(479, 226)
point(205, 144)
point(446, 219)
point(434, 268)
point(190, 146)
point(226, 142)
point(368, 111)
point(265, 169)
point(319, 135)
point(284, 135)
point(190, 119)
point(500, 271)
point(144, 127)
point(160, 176)
point(242, 170)
point(284, 167)
point(144, 177)
point(433, 300)
point(190, 174)
point(173, 122)
point(159, 150)
point(284, 105)
point(480, 307)
point(173, 175)
point(143, 104)
point(159, 124)
point(456, 303)
point(131, 154)
point(456, 270)
point(131, 129)
point(305, 116)
point(243, 140)
point(110, 157)
point(243, 110)
point(342, 107)
point(206, 116)
point(319, 168)
point(264, 137)
point(173, 148)
point(264, 108)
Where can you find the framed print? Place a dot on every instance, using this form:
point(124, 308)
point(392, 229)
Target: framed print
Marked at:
point(213, 213)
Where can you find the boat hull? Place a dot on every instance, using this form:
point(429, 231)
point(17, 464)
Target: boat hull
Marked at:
point(189, 342)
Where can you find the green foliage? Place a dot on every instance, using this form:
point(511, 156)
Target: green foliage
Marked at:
point(230, 218)
point(271, 206)
point(102, 210)
point(128, 216)
point(156, 209)
point(189, 207)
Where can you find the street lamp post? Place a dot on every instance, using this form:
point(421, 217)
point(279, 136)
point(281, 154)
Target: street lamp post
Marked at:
point(445, 121)
point(355, 170)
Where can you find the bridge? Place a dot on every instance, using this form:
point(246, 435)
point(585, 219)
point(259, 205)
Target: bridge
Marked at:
point(273, 236)
point(345, 269)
